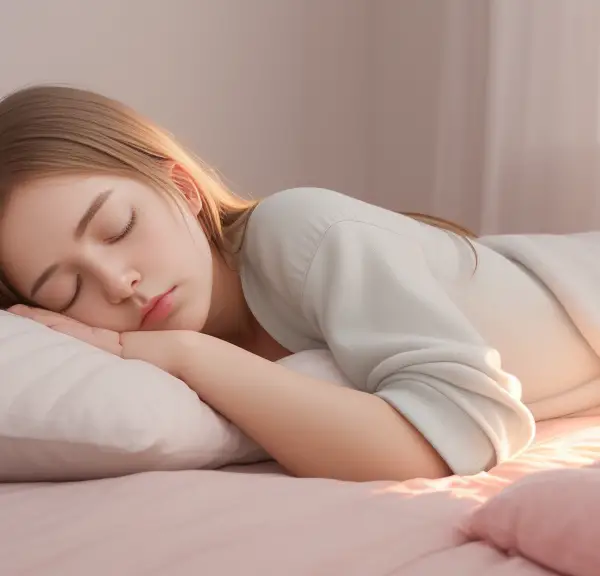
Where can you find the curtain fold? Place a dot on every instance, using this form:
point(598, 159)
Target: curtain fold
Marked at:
point(518, 117)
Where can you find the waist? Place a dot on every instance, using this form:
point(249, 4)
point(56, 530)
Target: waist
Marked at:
point(520, 318)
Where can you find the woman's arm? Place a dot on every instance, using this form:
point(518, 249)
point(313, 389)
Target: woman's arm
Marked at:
point(383, 293)
point(313, 428)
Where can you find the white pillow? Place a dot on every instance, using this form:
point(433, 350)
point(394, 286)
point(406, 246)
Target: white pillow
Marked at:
point(69, 411)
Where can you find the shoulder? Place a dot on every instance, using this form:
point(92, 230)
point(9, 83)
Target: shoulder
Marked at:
point(302, 208)
point(302, 242)
point(294, 222)
point(281, 239)
point(298, 218)
point(284, 232)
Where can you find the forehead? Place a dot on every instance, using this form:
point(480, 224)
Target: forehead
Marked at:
point(64, 194)
point(50, 205)
point(55, 199)
point(62, 199)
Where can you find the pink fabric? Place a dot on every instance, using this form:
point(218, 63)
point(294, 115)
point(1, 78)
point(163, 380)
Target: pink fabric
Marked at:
point(552, 518)
point(257, 521)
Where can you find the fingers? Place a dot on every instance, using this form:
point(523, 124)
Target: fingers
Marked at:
point(74, 331)
point(26, 311)
point(100, 338)
point(19, 309)
point(39, 313)
point(39, 318)
point(22, 310)
point(49, 319)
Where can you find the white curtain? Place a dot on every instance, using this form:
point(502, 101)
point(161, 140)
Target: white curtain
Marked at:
point(518, 121)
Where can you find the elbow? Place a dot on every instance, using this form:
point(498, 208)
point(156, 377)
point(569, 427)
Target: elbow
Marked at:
point(382, 446)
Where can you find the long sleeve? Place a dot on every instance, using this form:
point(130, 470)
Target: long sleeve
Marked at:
point(350, 279)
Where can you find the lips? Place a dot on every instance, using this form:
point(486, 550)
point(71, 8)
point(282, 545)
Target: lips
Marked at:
point(157, 309)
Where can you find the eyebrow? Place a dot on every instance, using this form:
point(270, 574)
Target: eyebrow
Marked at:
point(79, 232)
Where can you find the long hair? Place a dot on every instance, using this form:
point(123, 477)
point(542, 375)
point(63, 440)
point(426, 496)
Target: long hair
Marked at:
point(55, 130)
point(449, 226)
point(50, 131)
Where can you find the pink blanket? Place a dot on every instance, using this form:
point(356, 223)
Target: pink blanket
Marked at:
point(257, 521)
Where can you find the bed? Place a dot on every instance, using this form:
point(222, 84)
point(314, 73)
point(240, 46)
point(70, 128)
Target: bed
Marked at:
point(256, 520)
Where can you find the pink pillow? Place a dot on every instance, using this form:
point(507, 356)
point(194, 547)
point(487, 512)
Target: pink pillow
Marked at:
point(552, 518)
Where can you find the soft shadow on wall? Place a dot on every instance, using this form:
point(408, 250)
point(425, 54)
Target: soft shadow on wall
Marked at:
point(271, 92)
point(485, 112)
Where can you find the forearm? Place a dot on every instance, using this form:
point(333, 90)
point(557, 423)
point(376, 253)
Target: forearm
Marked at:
point(313, 428)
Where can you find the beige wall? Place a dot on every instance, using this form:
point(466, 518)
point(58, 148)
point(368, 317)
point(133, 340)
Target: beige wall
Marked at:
point(272, 92)
point(413, 104)
point(406, 73)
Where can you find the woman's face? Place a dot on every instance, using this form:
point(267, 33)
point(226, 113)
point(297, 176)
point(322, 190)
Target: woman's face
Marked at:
point(108, 251)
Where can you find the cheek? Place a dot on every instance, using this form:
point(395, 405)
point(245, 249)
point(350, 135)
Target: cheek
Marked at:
point(172, 247)
point(172, 242)
point(22, 260)
point(181, 240)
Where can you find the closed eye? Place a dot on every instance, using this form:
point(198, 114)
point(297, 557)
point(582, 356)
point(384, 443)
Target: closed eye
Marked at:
point(112, 240)
point(75, 296)
point(126, 230)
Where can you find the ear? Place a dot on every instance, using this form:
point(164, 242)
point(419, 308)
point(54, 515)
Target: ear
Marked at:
point(188, 187)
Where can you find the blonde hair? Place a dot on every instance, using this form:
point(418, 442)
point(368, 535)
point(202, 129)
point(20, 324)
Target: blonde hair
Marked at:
point(49, 131)
point(57, 130)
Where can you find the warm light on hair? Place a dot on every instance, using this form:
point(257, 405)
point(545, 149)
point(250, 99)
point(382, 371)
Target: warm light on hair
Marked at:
point(48, 131)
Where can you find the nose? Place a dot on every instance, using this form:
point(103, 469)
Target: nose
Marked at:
point(119, 285)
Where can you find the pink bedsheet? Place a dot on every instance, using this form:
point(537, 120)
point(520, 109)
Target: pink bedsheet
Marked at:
point(256, 521)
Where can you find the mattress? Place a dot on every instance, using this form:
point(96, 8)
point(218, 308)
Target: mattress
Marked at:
point(255, 520)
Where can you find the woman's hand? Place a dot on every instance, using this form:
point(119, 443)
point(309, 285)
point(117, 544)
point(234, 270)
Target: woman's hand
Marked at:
point(99, 337)
point(163, 349)
point(313, 428)
point(169, 350)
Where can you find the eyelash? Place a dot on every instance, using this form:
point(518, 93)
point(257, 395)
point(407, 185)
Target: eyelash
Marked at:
point(77, 290)
point(126, 230)
point(122, 235)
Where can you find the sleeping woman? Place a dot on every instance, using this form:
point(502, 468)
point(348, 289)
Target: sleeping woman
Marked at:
point(113, 233)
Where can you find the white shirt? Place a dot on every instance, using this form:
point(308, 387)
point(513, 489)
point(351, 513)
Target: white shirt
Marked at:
point(465, 354)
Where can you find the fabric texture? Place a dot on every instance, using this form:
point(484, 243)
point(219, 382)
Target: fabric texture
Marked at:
point(69, 411)
point(552, 518)
point(410, 315)
point(400, 306)
point(256, 521)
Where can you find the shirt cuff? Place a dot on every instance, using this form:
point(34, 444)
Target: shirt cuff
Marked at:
point(457, 438)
